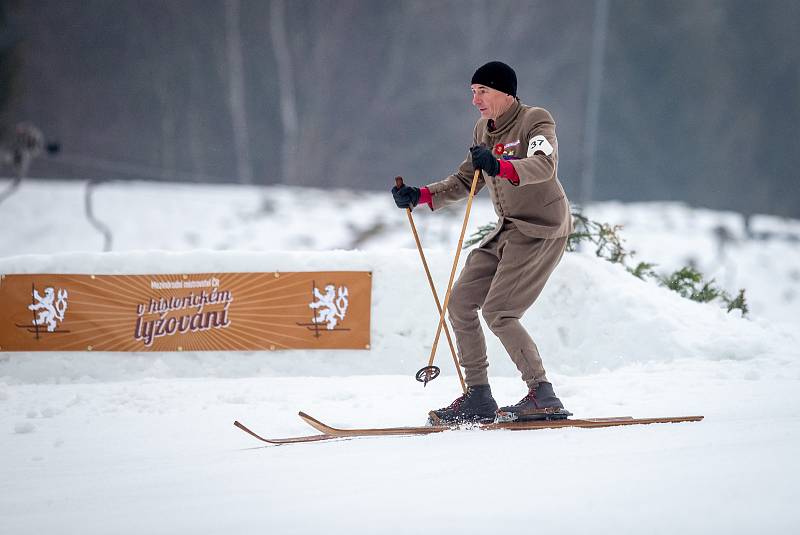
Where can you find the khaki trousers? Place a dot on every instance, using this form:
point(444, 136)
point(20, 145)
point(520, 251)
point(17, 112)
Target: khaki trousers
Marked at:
point(502, 278)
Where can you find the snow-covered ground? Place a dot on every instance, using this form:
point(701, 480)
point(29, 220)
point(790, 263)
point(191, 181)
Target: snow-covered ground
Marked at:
point(161, 456)
point(144, 443)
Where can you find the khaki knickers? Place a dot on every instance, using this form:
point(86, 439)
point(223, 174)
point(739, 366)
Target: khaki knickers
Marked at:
point(503, 278)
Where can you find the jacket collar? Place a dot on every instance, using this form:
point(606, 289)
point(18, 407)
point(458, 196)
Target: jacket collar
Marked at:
point(503, 123)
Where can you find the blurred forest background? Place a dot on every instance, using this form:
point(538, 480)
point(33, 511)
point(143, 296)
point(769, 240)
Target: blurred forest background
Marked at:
point(690, 100)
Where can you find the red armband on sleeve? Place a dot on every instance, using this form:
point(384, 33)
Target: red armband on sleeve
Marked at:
point(508, 172)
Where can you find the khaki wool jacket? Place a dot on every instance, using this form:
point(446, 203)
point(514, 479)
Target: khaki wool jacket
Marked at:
point(538, 206)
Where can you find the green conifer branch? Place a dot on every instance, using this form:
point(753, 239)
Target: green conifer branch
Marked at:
point(608, 244)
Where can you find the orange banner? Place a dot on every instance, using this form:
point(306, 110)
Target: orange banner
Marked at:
point(197, 312)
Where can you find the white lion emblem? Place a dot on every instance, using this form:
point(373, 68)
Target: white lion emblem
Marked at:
point(49, 308)
point(331, 307)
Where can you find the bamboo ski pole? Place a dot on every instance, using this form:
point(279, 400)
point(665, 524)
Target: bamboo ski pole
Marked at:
point(399, 183)
point(452, 273)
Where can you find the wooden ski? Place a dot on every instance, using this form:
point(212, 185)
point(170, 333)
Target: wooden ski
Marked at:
point(289, 440)
point(513, 426)
point(330, 433)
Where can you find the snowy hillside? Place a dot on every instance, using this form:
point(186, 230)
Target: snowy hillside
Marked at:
point(48, 217)
point(143, 443)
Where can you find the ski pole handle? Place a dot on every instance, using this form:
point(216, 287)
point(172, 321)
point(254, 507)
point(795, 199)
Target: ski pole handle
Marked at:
point(398, 181)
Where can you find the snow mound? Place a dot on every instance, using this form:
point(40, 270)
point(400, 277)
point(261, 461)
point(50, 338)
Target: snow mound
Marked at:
point(592, 316)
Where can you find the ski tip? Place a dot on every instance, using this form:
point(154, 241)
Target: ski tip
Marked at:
point(316, 424)
point(307, 417)
point(241, 426)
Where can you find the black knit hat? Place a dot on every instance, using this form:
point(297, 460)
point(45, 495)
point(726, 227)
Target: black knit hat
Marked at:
point(497, 75)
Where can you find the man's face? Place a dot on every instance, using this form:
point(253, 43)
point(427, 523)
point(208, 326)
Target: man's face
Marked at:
point(490, 102)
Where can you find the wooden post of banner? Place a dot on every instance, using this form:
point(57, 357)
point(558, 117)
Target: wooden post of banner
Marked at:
point(399, 183)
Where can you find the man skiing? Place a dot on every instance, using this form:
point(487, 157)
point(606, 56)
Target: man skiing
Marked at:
point(515, 147)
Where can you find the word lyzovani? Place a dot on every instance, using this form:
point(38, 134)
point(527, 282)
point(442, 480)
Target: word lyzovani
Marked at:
point(200, 319)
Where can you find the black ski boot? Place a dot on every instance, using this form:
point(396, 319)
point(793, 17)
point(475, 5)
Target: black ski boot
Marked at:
point(541, 403)
point(477, 405)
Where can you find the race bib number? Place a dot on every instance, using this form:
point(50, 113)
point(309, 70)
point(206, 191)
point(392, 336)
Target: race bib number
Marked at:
point(539, 144)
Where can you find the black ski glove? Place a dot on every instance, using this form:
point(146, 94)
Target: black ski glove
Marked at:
point(405, 196)
point(482, 159)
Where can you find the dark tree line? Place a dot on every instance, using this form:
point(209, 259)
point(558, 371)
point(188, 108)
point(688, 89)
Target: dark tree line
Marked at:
point(698, 102)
